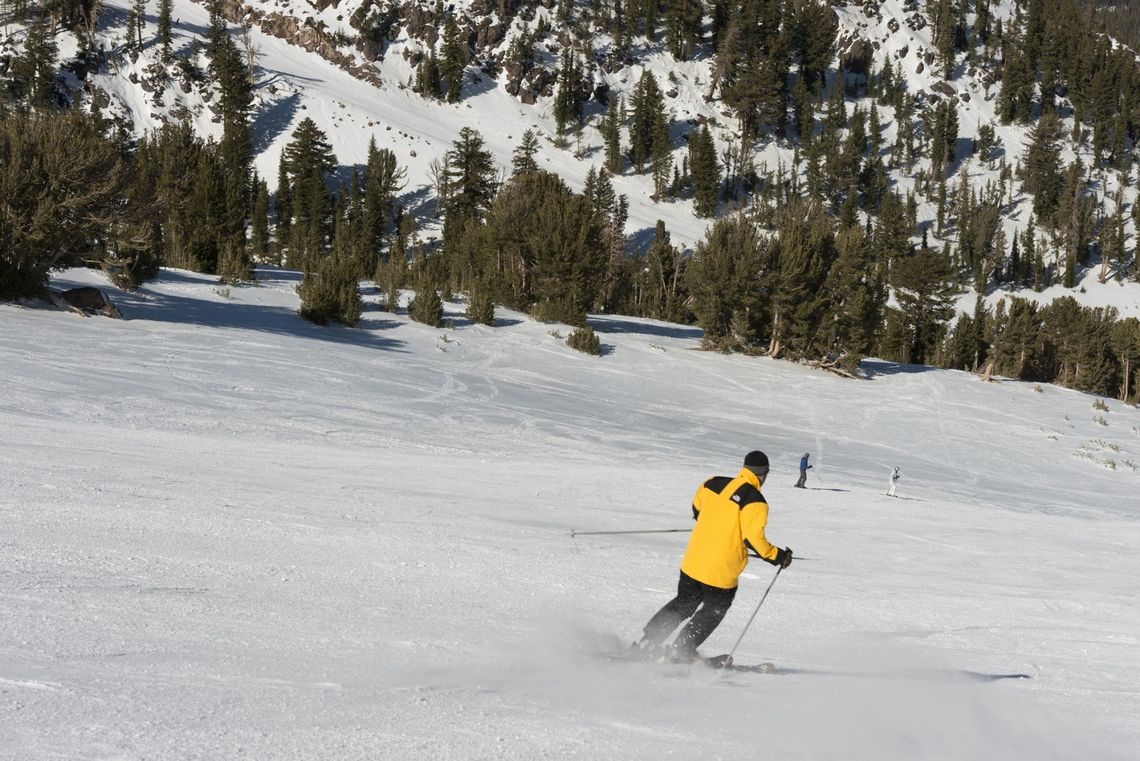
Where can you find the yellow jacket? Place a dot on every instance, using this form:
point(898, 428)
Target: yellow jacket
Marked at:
point(731, 514)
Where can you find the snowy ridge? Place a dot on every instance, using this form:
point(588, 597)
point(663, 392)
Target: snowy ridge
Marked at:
point(293, 83)
point(230, 532)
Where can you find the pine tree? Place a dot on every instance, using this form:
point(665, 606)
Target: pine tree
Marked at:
point(706, 173)
point(481, 307)
point(683, 27)
point(283, 211)
point(308, 159)
point(428, 76)
point(1042, 165)
point(854, 297)
point(522, 161)
point(470, 176)
point(925, 290)
point(1015, 101)
point(663, 272)
point(568, 98)
point(427, 306)
point(661, 154)
point(454, 60)
point(611, 129)
point(165, 41)
point(1125, 340)
point(66, 199)
point(816, 26)
point(794, 275)
point(648, 106)
point(259, 227)
point(723, 280)
point(33, 71)
point(944, 35)
point(383, 179)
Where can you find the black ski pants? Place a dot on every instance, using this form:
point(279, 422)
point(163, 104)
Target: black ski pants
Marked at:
point(706, 605)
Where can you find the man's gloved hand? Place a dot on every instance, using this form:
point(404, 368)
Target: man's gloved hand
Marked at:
point(784, 557)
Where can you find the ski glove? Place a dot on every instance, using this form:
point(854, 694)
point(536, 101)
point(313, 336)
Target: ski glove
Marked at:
point(783, 557)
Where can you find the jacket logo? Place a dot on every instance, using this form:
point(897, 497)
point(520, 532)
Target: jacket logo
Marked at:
point(736, 498)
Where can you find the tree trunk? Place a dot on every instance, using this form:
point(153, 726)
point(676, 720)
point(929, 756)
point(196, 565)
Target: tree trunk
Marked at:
point(774, 343)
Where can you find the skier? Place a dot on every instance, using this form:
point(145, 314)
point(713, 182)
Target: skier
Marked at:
point(894, 481)
point(731, 514)
point(804, 467)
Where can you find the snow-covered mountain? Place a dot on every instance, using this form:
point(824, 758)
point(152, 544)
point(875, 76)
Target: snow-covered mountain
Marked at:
point(349, 66)
point(231, 533)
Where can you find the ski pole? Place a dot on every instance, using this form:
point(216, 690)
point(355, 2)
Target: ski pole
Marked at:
point(728, 660)
point(574, 532)
point(752, 554)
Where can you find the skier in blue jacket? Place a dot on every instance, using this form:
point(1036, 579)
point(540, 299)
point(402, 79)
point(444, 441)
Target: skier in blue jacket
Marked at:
point(804, 467)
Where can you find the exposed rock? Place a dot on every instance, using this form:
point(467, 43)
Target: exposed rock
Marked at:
point(370, 49)
point(86, 301)
point(855, 56)
point(920, 67)
point(307, 36)
point(488, 35)
point(893, 25)
point(903, 51)
point(945, 88)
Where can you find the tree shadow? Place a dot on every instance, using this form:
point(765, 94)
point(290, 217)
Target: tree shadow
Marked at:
point(874, 367)
point(173, 308)
point(418, 203)
point(271, 121)
point(640, 240)
point(476, 82)
point(621, 325)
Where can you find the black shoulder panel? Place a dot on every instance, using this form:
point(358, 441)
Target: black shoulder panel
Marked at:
point(716, 484)
point(746, 494)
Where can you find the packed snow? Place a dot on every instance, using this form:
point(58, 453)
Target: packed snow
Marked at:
point(230, 533)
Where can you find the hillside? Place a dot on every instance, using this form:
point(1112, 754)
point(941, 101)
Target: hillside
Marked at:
point(350, 66)
point(229, 532)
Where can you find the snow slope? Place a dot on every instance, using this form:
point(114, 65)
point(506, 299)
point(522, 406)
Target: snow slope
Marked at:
point(229, 533)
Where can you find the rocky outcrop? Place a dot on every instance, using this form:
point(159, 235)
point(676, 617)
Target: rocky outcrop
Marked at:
point(855, 54)
point(306, 35)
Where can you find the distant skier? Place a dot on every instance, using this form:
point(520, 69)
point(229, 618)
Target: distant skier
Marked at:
point(804, 468)
point(731, 515)
point(894, 481)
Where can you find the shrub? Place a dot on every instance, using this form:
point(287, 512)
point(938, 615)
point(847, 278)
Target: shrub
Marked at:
point(331, 293)
point(427, 307)
point(585, 340)
point(481, 309)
